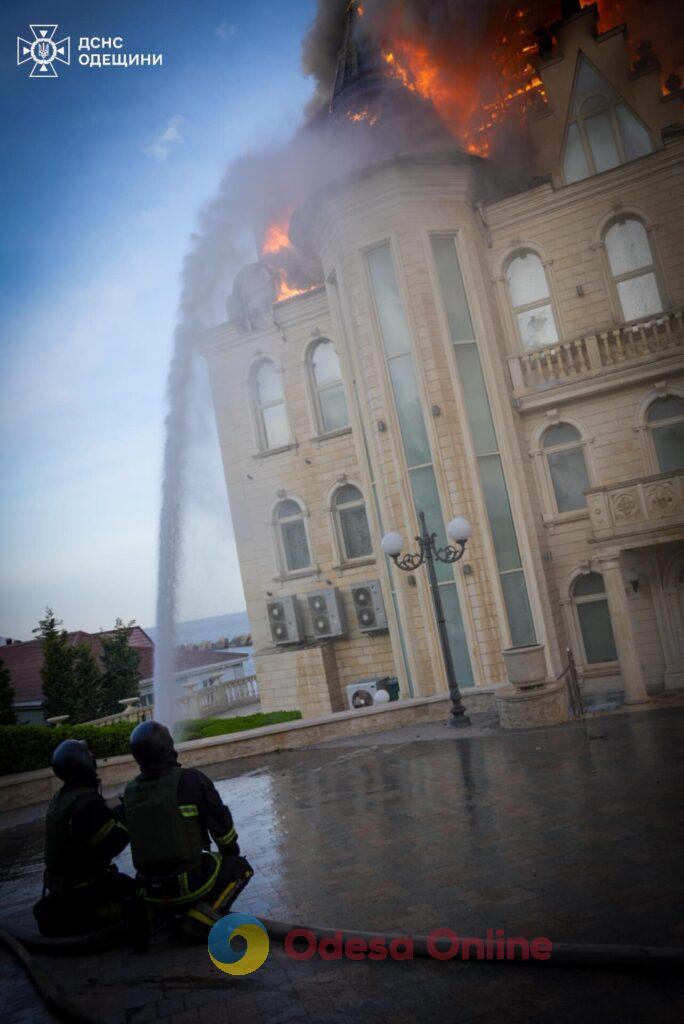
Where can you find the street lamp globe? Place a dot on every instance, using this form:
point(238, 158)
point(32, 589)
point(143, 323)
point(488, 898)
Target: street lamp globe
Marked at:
point(459, 530)
point(392, 544)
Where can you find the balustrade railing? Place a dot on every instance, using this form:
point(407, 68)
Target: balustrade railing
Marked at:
point(592, 354)
point(209, 701)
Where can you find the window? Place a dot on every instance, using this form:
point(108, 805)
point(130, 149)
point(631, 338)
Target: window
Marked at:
point(349, 511)
point(293, 543)
point(591, 606)
point(603, 132)
point(665, 420)
point(328, 390)
point(272, 424)
point(529, 290)
point(631, 265)
point(564, 451)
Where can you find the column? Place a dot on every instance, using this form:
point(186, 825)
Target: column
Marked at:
point(625, 638)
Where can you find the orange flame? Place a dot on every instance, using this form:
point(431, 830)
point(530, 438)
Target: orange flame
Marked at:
point(276, 240)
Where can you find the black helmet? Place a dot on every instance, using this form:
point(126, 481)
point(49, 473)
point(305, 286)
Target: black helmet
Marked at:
point(152, 743)
point(72, 762)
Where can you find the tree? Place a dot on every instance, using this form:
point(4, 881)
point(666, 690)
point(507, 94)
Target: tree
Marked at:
point(87, 683)
point(60, 696)
point(7, 715)
point(120, 671)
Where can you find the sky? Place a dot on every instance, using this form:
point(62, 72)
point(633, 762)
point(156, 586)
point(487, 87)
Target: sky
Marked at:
point(104, 171)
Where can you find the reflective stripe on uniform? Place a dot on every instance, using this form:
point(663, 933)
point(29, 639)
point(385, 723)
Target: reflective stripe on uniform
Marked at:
point(176, 900)
point(101, 833)
point(197, 915)
point(188, 810)
point(229, 837)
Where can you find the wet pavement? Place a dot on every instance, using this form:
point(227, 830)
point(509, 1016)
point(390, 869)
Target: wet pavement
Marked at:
point(574, 832)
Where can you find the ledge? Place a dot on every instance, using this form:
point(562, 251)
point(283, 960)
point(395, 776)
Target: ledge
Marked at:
point(36, 787)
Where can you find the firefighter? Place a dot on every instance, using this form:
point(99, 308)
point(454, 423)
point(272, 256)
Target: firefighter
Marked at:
point(82, 889)
point(170, 813)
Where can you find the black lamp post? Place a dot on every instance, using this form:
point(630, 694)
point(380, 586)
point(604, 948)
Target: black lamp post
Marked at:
point(459, 531)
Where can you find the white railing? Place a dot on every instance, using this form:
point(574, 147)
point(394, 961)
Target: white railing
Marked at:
point(597, 353)
point(212, 701)
point(136, 713)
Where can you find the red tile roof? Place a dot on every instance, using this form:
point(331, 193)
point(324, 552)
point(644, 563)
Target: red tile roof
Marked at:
point(25, 660)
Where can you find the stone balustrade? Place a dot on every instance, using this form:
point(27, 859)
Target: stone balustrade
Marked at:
point(594, 354)
point(645, 505)
point(222, 696)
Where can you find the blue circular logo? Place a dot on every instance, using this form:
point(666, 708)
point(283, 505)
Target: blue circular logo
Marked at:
point(229, 960)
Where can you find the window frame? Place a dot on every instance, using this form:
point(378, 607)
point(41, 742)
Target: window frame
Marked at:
point(257, 407)
point(650, 427)
point(315, 391)
point(609, 106)
point(553, 513)
point(590, 667)
point(529, 249)
point(334, 509)
point(643, 427)
point(654, 267)
point(279, 541)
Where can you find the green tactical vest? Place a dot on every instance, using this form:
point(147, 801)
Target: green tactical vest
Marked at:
point(165, 836)
point(66, 857)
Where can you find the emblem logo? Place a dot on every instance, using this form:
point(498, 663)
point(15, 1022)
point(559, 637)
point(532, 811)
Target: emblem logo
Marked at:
point(232, 961)
point(43, 50)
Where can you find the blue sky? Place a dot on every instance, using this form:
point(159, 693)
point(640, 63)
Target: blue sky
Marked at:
point(104, 171)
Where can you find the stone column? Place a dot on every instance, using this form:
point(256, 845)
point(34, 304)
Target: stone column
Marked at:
point(625, 638)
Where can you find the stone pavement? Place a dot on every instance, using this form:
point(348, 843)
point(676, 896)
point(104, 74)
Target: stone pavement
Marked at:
point(574, 832)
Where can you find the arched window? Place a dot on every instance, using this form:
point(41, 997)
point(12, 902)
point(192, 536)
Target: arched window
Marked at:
point(631, 265)
point(530, 297)
point(291, 536)
point(351, 523)
point(327, 387)
point(665, 418)
point(603, 131)
point(591, 607)
point(269, 404)
point(564, 450)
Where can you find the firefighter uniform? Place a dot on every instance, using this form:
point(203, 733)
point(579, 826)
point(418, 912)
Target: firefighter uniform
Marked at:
point(171, 814)
point(82, 889)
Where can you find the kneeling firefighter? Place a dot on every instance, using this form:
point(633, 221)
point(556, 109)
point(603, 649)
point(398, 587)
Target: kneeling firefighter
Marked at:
point(82, 889)
point(170, 813)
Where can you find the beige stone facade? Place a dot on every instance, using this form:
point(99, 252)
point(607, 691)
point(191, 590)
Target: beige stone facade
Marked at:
point(560, 555)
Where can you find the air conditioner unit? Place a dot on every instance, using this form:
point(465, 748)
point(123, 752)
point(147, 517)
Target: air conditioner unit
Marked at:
point(369, 606)
point(327, 613)
point(361, 693)
point(285, 620)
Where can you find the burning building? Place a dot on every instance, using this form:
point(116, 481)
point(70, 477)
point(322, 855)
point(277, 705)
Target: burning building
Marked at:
point(483, 316)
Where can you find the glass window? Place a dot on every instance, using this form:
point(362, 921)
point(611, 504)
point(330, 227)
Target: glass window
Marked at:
point(603, 131)
point(499, 513)
point(518, 608)
point(529, 290)
point(477, 403)
point(269, 402)
point(591, 605)
point(409, 410)
point(631, 263)
point(352, 523)
point(326, 379)
point(293, 544)
point(453, 290)
point(666, 422)
point(565, 458)
point(390, 307)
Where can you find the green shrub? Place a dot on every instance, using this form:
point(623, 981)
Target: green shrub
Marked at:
point(203, 728)
point(24, 748)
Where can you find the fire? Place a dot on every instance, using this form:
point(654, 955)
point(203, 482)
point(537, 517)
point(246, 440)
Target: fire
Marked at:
point(479, 79)
point(275, 243)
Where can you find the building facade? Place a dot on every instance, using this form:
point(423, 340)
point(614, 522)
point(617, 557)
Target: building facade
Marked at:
point(517, 359)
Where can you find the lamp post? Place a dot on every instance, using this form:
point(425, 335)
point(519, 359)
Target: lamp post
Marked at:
point(459, 531)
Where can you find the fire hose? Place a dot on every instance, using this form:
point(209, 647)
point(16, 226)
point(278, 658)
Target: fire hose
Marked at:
point(564, 954)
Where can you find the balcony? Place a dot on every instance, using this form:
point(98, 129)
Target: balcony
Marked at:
point(647, 510)
point(595, 357)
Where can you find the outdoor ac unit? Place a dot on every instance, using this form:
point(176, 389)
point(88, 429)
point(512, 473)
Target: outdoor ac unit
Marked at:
point(285, 620)
point(327, 613)
point(360, 694)
point(369, 606)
